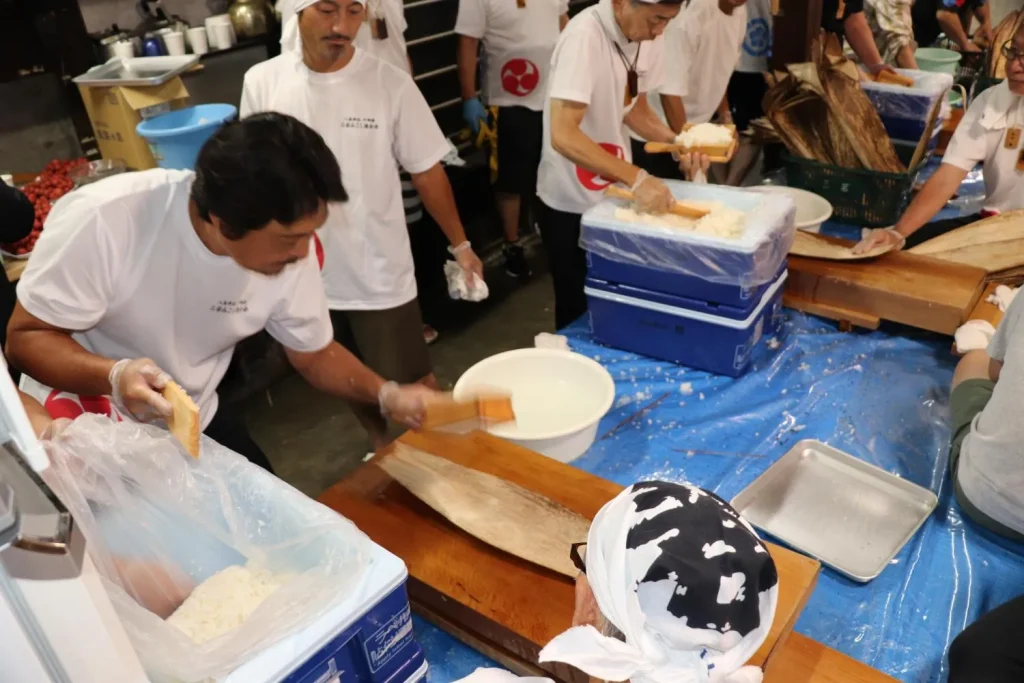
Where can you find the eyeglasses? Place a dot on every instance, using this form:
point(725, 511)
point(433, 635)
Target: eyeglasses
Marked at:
point(1011, 53)
point(577, 559)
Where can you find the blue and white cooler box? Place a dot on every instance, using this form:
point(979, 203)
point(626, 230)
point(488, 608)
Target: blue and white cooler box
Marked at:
point(905, 111)
point(696, 299)
point(367, 638)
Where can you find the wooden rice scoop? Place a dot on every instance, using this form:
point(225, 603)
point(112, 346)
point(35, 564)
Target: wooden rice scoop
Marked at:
point(831, 248)
point(684, 209)
point(476, 413)
point(721, 154)
point(994, 244)
point(890, 78)
point(184, 420)
point(499, 513)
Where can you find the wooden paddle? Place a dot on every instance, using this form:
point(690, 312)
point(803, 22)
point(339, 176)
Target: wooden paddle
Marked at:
point(831, 248)
point(184, 420)
point(684, 209)
point(475, 413)
point(994, 244)
point(499, 513)
point(890, 78)
point(719, 154)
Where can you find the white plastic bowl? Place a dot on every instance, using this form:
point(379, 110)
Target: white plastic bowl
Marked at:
point(811, 210)
point(558, 397)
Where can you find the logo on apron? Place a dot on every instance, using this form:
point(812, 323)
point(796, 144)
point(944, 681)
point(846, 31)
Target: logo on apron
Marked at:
point(591, 180)
point(520, 77)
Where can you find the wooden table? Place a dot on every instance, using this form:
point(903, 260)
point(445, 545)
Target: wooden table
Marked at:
point(503, 606)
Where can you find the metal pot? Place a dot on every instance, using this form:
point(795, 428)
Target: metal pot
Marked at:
point(251, 18)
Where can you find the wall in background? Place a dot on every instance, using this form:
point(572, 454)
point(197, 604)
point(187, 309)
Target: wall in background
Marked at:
point(100, 14)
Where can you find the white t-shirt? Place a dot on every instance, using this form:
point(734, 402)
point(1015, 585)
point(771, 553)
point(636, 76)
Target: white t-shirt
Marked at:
point(122, 266)
point(391, 49)
point(702, 48)
point(518, 42)
point(374, 118)
point(981, 139)
point(586, 68)
point(757, 43)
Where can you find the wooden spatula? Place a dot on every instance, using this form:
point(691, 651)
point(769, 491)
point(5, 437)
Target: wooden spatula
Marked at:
point(891, 78)
point(184, 420)
point(499, 513)
point(831, 248)
point(684, 209)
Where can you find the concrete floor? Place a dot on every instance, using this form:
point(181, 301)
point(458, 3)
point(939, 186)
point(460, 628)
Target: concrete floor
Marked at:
point(314, 440)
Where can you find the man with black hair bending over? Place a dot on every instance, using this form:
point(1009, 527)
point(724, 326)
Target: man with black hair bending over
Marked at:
point(149, 277)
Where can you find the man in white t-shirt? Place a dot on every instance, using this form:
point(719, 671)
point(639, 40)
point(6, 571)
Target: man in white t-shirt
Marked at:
point(149, 277)
point(702, 47)
point(374, 119)
point(519, 37)
point(606, 61)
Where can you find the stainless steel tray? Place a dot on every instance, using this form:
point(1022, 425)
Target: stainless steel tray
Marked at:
point(852, 516)
point(135, 71)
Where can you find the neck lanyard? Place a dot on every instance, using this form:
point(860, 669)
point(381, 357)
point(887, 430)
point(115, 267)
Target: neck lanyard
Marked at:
point(632, 80)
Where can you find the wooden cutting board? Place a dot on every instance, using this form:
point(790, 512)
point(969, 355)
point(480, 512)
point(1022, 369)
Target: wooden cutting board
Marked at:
point(500, 604)
point(994, 244)
point(915, 290)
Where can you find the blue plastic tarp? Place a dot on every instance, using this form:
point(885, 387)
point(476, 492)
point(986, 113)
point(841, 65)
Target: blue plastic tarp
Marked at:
point(882, 397)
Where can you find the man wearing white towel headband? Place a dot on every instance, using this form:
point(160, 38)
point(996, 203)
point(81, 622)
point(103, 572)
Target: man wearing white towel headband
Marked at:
point(606, 61)
point(375, 120)
point(675, 587)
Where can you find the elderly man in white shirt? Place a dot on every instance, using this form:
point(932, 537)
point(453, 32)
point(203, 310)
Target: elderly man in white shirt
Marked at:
point(374, 119)
point(992, 134)
point(674, 586)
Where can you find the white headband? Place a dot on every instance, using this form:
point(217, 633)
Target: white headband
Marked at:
point(289, 10)
point(686, 581)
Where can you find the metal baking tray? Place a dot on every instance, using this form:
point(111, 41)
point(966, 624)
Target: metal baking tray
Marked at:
point(135, 71)
point(852, 516)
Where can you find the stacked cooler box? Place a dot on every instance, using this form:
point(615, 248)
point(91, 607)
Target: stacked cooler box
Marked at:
point(905, 112)
point(699, 300)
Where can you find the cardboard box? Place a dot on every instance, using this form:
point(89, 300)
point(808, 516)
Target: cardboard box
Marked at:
point(115, 112)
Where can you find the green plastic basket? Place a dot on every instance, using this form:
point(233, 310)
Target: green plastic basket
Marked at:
point(868, 198)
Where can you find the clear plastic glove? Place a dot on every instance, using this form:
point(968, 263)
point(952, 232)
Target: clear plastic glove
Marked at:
point(694, 165)
point(880, 237)
point(473, 111)
point(136, 387)
point(405, 404)
point(651, 194)
point(470, 263)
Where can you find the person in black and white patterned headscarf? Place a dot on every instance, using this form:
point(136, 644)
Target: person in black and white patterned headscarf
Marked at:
point(676, 588)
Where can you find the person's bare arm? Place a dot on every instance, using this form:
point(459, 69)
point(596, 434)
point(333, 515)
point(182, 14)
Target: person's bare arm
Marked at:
point(939, 189)
point(467, 62)
point(562, 21)
point(642, 120)
point(573, 144)
point(984, 16)
point(995, 368)
point(724, 110)
point(905, 58)
point(858, 34)
point(51, 356)
point(334, 370)
point(675, 111)
point(438, 199)
point(954, 30)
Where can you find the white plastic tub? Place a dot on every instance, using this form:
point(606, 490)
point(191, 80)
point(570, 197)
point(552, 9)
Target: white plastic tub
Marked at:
point(811, 209)
point(559, 398)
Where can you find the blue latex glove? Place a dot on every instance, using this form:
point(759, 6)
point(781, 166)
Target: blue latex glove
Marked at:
point(473, 112)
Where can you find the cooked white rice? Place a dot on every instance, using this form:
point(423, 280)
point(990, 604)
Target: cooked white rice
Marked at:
point(224, 601)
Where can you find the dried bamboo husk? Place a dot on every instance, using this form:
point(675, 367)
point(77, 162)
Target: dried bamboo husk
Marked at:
point(995, 244)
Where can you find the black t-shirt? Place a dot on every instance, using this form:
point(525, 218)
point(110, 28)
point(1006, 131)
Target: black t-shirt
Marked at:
point(835, 12)
point(926, 23)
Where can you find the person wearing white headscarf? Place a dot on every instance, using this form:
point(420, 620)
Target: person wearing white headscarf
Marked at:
point(675, 587)
point(376, 121)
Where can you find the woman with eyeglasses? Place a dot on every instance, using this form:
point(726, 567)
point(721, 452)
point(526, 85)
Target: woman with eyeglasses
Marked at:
point(674, 586)
point(992, 134)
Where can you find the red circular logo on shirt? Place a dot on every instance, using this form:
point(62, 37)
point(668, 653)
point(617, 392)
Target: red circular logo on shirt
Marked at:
point(591, 180)
point(520, 77)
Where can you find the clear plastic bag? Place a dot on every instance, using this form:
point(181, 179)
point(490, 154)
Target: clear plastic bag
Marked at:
point(159, 523)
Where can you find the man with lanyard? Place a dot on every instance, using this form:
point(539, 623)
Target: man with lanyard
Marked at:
point(607, 59)
point(374, 119)
point(519, 37)
point(702, 47)
point(989, 134)
point(953, 18)
point(154, 276)
point(656, 601)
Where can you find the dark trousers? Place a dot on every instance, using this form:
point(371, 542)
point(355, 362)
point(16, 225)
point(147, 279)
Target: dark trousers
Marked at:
point(989, 650)
point(658, 165)
point(567, 262)
point(228, 431)
point(935, 228)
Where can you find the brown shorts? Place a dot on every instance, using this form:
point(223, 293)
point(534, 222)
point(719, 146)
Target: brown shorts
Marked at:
point(389, 342)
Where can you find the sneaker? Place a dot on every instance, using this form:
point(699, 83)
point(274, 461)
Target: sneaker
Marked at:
point(516, 264)
point(430, 335)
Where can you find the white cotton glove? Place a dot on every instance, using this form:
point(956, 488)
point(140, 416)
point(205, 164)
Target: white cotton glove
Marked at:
point(136, 386)
point(879, 237)
point(405, 404)
point(651, 195)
